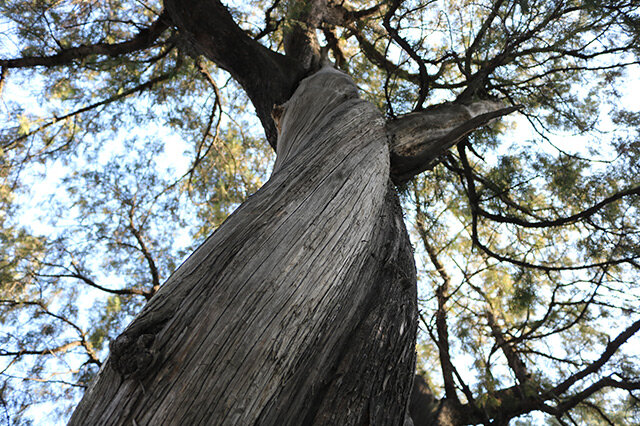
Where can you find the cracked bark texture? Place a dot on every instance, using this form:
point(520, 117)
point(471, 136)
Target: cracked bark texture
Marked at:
point(301, 307)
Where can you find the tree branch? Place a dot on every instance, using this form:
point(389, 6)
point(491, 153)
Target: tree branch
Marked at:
point(467, 175)
point(610, 349)
point(404, 44)
point(268, 77)
point(144, 39)
point(380, 60)
point(480, 35)
point(604, 382)
point(93, 357)
point(442, 294)
point(48, 351)
point(546, 223)
point(153, 269)
point(103, 102)
point(513, 358)
point(3, 78)
point(85, 279)
point(419, 138)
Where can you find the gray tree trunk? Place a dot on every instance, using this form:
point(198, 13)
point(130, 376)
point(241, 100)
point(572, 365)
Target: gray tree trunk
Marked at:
point(299, 309)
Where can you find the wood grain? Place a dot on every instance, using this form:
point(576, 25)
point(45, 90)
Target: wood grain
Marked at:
point(301, 307)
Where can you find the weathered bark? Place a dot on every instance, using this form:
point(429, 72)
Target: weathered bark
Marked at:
point(299, 309)
point(426, 410)
point(419, 138)
point(300, 40)
point(423, 406)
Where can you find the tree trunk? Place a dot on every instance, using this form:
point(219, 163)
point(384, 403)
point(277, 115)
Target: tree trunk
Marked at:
point(299, 309)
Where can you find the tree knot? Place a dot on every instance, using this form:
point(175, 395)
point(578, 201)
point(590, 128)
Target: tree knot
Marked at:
point(132, 353)
point(132, 356)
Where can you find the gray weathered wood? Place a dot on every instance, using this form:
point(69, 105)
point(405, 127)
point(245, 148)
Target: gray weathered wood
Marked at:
point(419, 138)
point(299, 309)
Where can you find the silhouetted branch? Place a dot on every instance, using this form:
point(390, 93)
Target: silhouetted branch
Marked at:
point(123, 94)
point(610, 349)
point(144, 39)
point(474, 200)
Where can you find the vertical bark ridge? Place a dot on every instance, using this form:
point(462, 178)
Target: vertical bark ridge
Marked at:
point(302, 305)
point(304, 294)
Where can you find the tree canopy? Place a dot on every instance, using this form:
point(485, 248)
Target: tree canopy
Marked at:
point(126, 141)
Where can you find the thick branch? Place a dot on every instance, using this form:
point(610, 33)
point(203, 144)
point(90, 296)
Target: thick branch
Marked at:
point(269, 78)
point(338, 13)
point(419, 138)
point(300, 40)
point(605, 382)
point(144, 39)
